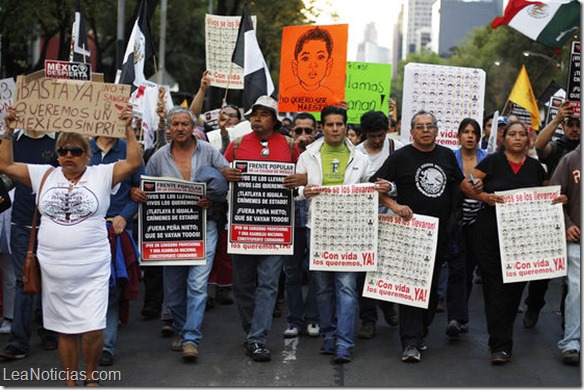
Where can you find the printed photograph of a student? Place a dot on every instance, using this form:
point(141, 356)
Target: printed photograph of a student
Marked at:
point(313, 66)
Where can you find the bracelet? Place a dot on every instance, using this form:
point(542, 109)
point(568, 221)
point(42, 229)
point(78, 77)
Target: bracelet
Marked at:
point(7, 135)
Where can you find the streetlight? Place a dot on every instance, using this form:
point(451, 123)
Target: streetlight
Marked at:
point(548, 58)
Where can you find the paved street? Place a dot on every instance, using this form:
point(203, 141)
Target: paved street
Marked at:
point(144, 358)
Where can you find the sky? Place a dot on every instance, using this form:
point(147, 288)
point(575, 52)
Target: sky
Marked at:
point(358, 13)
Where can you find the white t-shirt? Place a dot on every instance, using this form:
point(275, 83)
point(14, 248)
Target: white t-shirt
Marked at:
point(378, 159)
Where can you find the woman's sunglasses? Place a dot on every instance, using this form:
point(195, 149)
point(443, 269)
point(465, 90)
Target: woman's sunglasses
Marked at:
point(75, 151)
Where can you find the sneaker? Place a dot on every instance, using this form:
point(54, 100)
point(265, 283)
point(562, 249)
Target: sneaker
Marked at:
point(500, 357)
point(166, 330)
point(328, 347)
point(411, 354)
point(571, 357)
point(313, 330)
point(6, 327)
point(342, 355)
point(12, 353)
point(291, 331)
point(453, 329)
point(258, 352)
point(423, 346)
point(107, 359)
point(367, 331)
point(190, 352)
point(530, 318)
point(175, 346)
point(440, 307)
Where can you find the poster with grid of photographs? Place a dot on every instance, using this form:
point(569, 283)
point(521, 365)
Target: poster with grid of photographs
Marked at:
point(343, 234)
point(531, 233)
point(450, 93)
point(406, 252)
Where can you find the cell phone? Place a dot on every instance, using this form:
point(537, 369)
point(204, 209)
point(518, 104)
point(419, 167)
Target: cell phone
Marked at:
point(472, 179)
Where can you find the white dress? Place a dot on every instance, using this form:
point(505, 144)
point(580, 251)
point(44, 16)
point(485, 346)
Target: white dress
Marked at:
point(73, 249)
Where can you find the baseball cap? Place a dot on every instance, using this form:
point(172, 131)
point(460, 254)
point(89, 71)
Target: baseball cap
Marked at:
point(502, 120)
point(268, 103)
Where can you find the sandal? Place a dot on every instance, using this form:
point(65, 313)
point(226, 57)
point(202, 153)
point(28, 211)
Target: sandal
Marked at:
point(91, 382)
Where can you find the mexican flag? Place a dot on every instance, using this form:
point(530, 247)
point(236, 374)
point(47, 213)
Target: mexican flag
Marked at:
point(551, 22)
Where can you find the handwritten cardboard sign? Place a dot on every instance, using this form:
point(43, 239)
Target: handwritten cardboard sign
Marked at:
point(84, 107)
point(367, 88)
point(7, 87)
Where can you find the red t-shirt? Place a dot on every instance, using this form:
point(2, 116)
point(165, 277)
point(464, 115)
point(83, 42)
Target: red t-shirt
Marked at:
point(251, 148)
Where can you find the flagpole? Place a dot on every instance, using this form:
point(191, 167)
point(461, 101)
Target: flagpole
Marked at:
point(227, 87)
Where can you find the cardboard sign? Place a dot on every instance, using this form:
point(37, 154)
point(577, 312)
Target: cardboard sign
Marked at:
point(67, 70)
point(367, 88)
point(7, 92)
point(313, 65)
point(85, 107)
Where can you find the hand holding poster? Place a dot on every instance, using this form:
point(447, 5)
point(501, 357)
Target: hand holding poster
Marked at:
point(85, 107)
point(261, 210)
point(531, 234)
point(343, 228)
point(407, 250)
point(312, 67)
point(171, 227)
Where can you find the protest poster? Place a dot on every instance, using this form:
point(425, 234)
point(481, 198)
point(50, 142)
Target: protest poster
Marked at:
point(574, 79)
point(261, 210)
point(553, 108)
point(7, 92)
point(171, 227)
point(450, 93)
point(407, 252)
point(220, 37)
point(531, 234)
point(367, 88)
point(343, 228)
point(86, 107)
point(313, 65)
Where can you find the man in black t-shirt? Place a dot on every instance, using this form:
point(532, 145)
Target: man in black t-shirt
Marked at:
point(427, 178)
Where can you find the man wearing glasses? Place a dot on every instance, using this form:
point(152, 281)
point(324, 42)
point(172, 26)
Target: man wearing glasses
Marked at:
point(427, 178)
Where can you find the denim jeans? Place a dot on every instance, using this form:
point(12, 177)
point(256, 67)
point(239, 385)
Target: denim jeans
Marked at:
point(255, 289)
point(571, 338)
point(336, 295)
point(185, 291)
point(110, 333)
point(300, 310)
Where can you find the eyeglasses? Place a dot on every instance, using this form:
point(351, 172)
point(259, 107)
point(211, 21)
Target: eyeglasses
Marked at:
point(430, 127)
point(265, 151)
point(300, 130)
point(76, 151)
point(572, 123)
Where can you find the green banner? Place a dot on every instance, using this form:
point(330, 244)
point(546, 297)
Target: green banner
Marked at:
point(367, 88)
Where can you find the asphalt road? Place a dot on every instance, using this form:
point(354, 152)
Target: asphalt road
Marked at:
point(144, 358)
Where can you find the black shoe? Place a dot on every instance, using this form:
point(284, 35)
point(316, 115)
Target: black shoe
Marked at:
point(149, 313)
point(391, 316)
point(107, 359)
point(210, 303)
point(258, 352)
point(500, 357)
point(367, 331)
point(49, 342)
point(530, 318)
point(453, 329)
point(12, 353)
point(440, 307)
point(224, 296)
point(571, 357)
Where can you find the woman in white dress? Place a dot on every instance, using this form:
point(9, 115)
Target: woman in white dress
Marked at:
point(73, 249)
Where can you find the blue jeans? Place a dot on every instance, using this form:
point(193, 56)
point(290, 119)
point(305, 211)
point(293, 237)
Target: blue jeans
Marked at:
point(571, 338)
point(110, 333)
point(255, 289)
point(337, 289)
point(300, 310)
point(185, 291)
